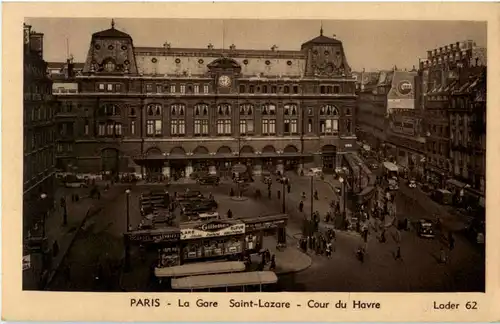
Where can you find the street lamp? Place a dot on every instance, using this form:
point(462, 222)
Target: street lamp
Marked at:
point(43, 196)
point(341, 180)
point(127, 244)
point(128, 208)
point(283, 180)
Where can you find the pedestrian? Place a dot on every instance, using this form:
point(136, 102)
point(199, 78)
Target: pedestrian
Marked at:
point(272, 267)
point(268, 255)
point(398, 254)
point(288, 187)
point(301, 206)
point(98, 195)
point(279, 194)
point(329, 250)
point(229, 213)
point(55, 248)
point(442, 256)
point(316, 195)
point(303, 195)
point(451, 241)
point(269, 193)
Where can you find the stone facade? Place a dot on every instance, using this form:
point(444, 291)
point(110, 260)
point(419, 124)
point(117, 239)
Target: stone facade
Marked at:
point(163, 109)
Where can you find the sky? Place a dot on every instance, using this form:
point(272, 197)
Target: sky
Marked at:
point(369, 44)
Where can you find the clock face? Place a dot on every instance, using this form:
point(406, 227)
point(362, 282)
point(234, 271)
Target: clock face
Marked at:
point(224, 81)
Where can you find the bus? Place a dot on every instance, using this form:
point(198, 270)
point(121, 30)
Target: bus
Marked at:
point(256, 281)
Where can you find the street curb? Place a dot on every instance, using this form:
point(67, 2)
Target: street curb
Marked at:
point(88, 214)
point(309, 264)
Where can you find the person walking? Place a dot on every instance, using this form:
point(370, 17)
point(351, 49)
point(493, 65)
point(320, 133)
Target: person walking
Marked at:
point(288, 187)
point(272, 267)
point(279, 194)
point(301, 206)
point(329, 250)
point(398, 254)
point(442, 256)
point(229, 213)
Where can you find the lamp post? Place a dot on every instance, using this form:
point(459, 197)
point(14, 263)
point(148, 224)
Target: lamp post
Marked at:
point(127, 244)
point(43, 197)
point(284, 193)
point(312, 195)
point(343, 193)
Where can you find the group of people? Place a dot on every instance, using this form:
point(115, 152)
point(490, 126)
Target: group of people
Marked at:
point(266, 259)
point(319, 243)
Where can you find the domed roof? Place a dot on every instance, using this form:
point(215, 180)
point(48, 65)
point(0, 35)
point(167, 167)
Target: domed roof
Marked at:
point(111, 33)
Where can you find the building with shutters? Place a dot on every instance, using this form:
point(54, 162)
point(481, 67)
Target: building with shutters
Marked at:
point(172, 111)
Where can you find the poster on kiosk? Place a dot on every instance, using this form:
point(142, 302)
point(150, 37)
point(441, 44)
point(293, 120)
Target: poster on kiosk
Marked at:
point(213, 229)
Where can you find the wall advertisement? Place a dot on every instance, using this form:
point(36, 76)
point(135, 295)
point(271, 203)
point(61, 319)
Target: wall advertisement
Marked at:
point(212, 229)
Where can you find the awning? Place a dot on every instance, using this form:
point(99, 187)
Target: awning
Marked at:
point(456, 183)
point(202, 268)
point(225, 280)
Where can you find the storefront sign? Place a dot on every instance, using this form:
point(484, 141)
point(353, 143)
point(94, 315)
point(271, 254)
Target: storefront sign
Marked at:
point(264, 225)
point(153, 237)
point(213, 229)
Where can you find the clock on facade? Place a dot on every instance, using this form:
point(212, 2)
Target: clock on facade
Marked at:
point(224, 81)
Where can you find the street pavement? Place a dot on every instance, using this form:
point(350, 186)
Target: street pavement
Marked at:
point(101, 245)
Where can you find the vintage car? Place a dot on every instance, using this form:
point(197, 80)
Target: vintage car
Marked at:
point(193, 194)
point(425, 228)
point(412, 183)
point(208, 179)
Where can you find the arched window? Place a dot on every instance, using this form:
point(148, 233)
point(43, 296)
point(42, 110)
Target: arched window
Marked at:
point(177, 110)
point(224, 110)
point(290, 121)
point(246, 109)
point(329, 110)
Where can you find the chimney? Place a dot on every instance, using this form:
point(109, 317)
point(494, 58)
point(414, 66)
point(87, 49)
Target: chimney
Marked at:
point(70, 68)
point(26, 36)
point(36, 43)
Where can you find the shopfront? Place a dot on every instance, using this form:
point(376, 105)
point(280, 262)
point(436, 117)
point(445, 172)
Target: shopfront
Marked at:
point(258, 227)
point(211, 240)
point(164, 242)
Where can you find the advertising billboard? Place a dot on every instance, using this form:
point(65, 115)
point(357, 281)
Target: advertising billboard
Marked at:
point(402, 93)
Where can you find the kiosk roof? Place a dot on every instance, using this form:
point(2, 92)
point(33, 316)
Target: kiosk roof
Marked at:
point(202, 268)
point(225, 280)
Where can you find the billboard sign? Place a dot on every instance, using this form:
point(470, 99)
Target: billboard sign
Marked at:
point(405, 87)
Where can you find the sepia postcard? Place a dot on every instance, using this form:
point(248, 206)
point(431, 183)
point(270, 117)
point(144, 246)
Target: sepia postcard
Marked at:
point(250, 162)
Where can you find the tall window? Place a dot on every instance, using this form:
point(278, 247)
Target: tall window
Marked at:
point(172, 88)
point(268, 113)
point(246, 119)
point(196, 88)
point(290, 119)
point(177, 120)
point(329, 120)
point(154, 119)
point(183, 88)
point(132, 127)
point(86, 128)
point(224, 114)
point(109, 128)
point(201, 120)
point(205, 88)
point(109, 110)
point(268, 127)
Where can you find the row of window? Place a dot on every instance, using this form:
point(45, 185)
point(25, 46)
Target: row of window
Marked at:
point(329, 126)
point(202, 109)
point(37, 163)
point(205, 88)
point(36, 140)
point(39, 113)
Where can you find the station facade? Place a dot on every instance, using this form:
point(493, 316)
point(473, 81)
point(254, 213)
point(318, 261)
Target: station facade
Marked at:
point(173, 111)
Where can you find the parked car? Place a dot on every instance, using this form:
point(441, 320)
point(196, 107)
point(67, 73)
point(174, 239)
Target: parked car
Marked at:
point(412, 184)
point(209, 179)
point(193, 194)
point(442, 196)
point(75, 184)
point(315, 172)
point(266, 177)
point(425, 228)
